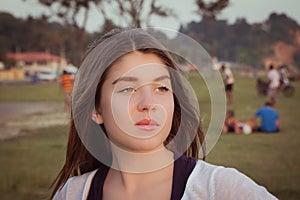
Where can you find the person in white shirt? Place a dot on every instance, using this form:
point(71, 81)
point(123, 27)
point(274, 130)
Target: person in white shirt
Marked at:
point(132, 137)
point(229, 82)
point(274, 83)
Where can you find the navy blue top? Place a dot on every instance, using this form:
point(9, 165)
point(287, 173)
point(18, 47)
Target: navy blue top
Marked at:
point(183, 167)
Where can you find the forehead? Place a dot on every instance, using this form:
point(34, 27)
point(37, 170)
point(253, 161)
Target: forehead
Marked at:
point(142, 65)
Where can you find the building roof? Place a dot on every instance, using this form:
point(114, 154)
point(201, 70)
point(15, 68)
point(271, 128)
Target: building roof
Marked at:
point(34, 57)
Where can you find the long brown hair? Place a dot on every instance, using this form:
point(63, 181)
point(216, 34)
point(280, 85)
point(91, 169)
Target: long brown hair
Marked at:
point(78, 159)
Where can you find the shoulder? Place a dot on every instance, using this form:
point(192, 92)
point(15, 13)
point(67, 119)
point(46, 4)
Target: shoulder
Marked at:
point(270, 110)
point(209, 181)
point(76, 187)
point(259, 111)
point(275, 113)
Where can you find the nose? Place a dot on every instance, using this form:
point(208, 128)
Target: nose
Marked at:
point(145, 99)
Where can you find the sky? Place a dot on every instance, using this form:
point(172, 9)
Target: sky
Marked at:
point(254, 11)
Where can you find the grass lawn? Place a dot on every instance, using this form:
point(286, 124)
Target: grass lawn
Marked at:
point(30, 163)
point(272, 160)
point(31, 92)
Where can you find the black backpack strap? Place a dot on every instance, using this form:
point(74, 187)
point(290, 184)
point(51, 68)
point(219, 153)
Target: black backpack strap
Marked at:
point(96, 189)
point(183, 167)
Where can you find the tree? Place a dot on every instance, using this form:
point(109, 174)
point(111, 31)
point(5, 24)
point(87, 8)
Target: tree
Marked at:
point(281, 27)
point(209, 11)
point(68, 11)
point(135, 13)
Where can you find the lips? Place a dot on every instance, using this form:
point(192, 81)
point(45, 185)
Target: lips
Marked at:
point(147, 124)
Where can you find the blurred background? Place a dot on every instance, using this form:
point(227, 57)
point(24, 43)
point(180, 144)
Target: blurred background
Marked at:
point(39, 39)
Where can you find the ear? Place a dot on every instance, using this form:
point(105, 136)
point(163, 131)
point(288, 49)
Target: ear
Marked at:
point(97, 117)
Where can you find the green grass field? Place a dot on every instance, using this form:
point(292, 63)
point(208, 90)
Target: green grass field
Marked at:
point(31, 92)
point(28, 164)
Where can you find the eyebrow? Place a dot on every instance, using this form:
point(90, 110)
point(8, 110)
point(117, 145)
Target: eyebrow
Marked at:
point(125, 78)
point(160, 78)
point(134, 79)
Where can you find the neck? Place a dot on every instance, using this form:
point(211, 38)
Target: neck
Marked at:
point(135, 175)
point(137, 172)
point(130, 162)
point(133, 181)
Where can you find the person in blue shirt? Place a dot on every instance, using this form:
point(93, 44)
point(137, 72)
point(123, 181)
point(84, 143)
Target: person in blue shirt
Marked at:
point(269, 119)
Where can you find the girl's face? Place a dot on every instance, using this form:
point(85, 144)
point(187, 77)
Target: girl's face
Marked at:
point(136, 105)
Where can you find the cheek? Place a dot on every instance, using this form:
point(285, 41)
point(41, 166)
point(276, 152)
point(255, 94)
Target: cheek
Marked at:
point(120, 108)
point(113, 106)
point(170, 111)
point(167, 105)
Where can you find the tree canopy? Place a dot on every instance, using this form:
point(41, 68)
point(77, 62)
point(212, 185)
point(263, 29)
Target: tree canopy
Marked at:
point(244, 42)
point(238, 42)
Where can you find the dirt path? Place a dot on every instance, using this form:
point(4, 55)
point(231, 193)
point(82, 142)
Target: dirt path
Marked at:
point(15, 117)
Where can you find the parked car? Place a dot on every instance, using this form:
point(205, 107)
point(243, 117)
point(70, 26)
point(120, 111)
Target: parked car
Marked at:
point(47, 75)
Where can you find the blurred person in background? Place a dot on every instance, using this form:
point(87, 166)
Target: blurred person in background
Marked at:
point(231, 124)
point(66, 82)
point(274, 84)
point(229, 82)
point(269, 119)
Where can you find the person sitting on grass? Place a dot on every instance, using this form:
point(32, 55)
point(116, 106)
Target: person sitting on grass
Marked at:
point(269, 119)
point(231, 124)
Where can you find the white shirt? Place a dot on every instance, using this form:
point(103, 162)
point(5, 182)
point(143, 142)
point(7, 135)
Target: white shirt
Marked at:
point(211, 182)
point(207, 181)
point(228, 76)
point(274, 77)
